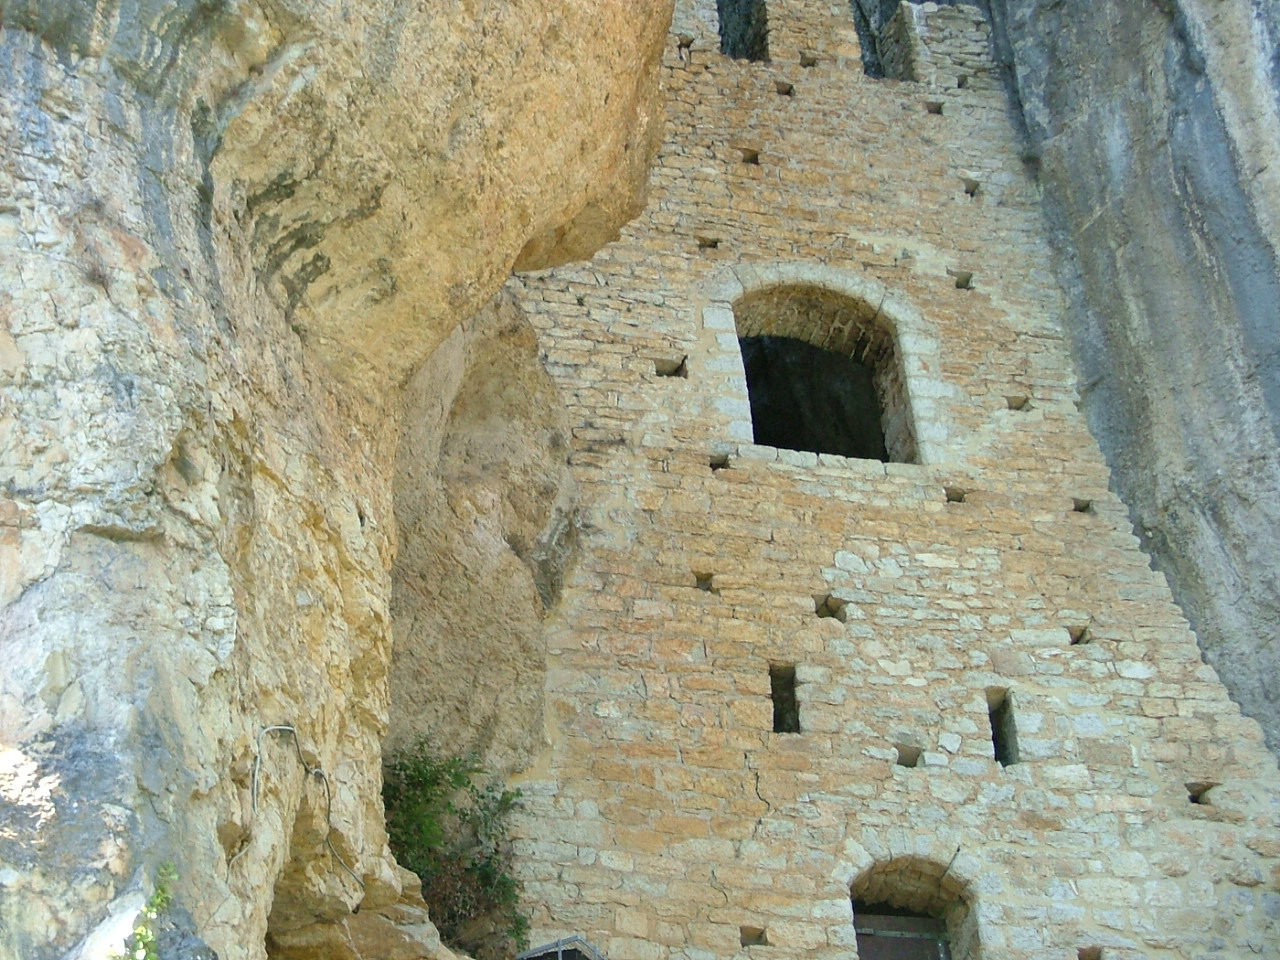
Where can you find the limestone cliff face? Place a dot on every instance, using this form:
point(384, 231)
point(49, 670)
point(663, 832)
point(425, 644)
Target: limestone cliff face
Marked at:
point(228, 232)
point(1157, 130)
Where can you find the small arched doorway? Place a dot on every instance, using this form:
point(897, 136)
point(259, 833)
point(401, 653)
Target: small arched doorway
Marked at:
point(823, 374)
point(910, 908)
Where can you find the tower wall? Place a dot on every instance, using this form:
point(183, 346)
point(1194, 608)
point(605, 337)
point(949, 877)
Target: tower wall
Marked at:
point(666, 817)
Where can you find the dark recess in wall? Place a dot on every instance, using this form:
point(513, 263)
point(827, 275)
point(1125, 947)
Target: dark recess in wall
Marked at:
point(744, 29)
point(807, 398)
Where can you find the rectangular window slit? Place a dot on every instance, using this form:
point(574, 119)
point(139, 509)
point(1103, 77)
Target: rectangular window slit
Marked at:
point(782, 688)
point(1004, 731)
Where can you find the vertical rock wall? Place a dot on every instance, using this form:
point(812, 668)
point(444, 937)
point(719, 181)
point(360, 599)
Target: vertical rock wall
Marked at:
point(228, 232)
point(1156, 128)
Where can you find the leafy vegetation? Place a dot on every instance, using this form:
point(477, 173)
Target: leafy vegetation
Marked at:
point(142, 944)
point(448, 821)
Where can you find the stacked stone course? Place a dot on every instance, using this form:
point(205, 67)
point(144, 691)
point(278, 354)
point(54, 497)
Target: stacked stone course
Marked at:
point(667, 818)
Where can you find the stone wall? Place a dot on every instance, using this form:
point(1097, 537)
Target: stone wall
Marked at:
point(228, 232)
point(1137, 812)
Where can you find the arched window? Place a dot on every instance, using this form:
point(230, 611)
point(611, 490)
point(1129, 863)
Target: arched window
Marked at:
point(823, 374)
point(911, 909)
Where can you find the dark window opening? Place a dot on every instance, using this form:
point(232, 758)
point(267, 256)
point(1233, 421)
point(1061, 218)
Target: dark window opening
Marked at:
point(886, 932)
point(782, 688)
point(807, 398)
point(823, 375)
point(878, 38)
point(744, 29)
point(1004, 731)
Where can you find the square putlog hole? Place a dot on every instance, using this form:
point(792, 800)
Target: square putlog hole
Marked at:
point(1018, 402)
point(718, 462)
point(708, 243)
point(753, 937)
point(955, 494)
point(934, 107)
point(1079, 635)
point(808, 60)
point(1089, 953)
point(784, 89)
point(963, 278)
point(671, 366)
point(831, 607)
point(1081, 506)
point(908, 756)
point(705, 582)
point(750, 156)
point(971, 186)
point(1198, 791)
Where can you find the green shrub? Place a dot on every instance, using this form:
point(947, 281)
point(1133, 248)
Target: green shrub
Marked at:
point(447, 822)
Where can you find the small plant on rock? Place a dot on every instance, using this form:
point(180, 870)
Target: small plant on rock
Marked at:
point(447, 821)
point(141, 945)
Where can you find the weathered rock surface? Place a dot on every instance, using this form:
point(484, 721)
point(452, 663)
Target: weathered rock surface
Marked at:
point(1157, 128)
point(228, 232)
point(485, 519)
